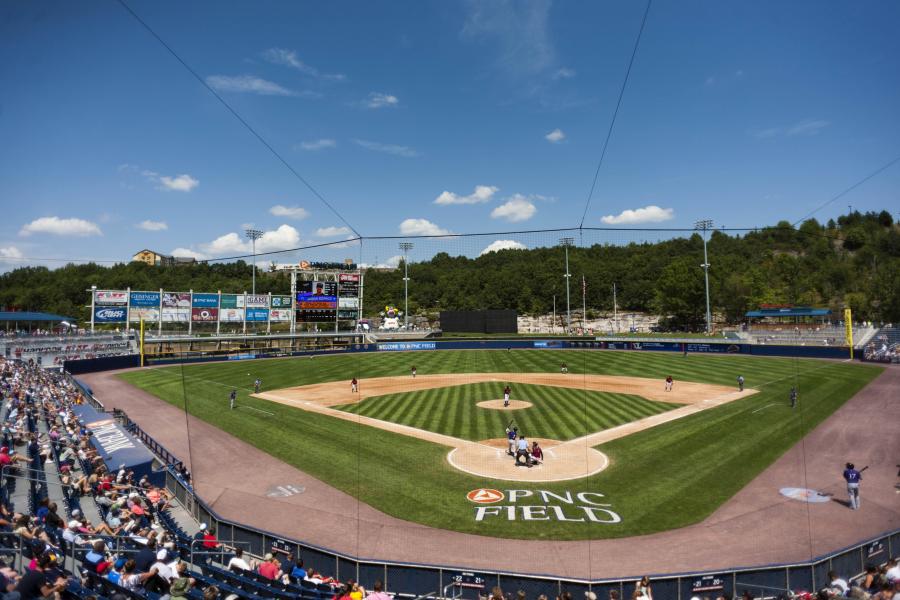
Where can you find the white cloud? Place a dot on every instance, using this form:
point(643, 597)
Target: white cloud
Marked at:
point(564, 73)
point(57, 226)
point(519, 30)
point(421, 227)
point(517, 208)
point(179, 183)
point(381, 100)
point(10, 254)
point(647, 214)
point(318, 144)
point(188, 253)
point(291, 212)
point(152, 225)
point(332, 231)
point(390, 263)
point(482, 193)
point(404, 151)
point(289, 58)
point(766, 133)
point(555, 136)
point(230, 243)
point(503, 245)
point(280, 239)
point(248, 84)
point(808, 127)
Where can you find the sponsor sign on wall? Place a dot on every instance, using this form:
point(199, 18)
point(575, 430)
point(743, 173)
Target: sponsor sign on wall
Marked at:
point(232, 301)
point(145, 299)
point(277, 314)
point(281, 301)
point(402, 346)
point(175, 300)
point(348, 302)
point(348, 284)
point(110, 297)
point(204, 315)
point(145, 313)
point(109, 314)
point(257, 314)
point(176, 315)
point(541, 505)
point(205, 301)
point(231, 315)
point(258, 301)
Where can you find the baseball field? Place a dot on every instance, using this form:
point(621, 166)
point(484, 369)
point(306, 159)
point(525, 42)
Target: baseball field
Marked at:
point(623, 457)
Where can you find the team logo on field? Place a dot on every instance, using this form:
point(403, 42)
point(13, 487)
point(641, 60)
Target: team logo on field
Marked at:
point(485, 496)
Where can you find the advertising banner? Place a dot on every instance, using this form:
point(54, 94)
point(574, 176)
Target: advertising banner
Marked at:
point(204, 315)
point(232, 301)
point(110, 297)
point(281, 301)
point(175, 300)
point(176, 315)
point(348, 285)
point(205, 301)
point(258, 301)
point(404, 346)
point(231, 315)
point(257, 314)
point(145, 299)
point(348, 302)
point(347, 314)
point(149, 314)
point(109, 314)
point(277, 314)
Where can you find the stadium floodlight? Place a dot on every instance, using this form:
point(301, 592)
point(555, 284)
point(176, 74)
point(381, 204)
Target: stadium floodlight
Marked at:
point(565, 243)
point(705, 225)
point(406, 247)
point(254, 234)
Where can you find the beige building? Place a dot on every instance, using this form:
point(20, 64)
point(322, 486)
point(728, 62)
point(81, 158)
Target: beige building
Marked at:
point(161, 260)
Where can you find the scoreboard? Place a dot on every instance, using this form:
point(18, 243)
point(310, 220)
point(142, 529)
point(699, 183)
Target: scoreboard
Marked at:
point(329, 301)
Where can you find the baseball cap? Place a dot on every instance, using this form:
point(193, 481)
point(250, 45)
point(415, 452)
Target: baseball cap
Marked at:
point(590, 595)
point(269, 556)
point(73, 524)
point(161, 555)
point(203, 526)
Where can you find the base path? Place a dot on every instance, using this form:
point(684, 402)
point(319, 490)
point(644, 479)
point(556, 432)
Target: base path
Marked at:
point(756, 526)
point(563, 461)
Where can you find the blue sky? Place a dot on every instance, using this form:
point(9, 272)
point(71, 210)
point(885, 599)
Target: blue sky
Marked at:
point(429, 117)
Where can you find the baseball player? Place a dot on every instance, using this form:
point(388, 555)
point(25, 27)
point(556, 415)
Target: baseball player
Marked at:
point(414, 371)
point(740, 381)
point(231, 398)
point(256, 385)
point(564, 368)
point(511, 433)
point(852, 477)
point(506, 392)
point(354, 386)
point(793, 397)
point(669, 383)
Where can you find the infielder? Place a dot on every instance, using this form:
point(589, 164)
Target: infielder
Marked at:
point(256, 385)
point(414, 371)
point(506, 392)
point(740, 381)
point(564, 368)
point(669, 383)
point(852, 477)
point(354, 386)
point(231, 398)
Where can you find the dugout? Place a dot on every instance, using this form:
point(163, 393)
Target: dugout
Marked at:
point(479, 321)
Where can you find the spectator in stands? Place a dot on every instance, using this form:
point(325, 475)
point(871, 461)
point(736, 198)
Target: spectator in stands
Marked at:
point(269, 568)
point(161, 565)
point(34, 583)
point(298, 573)
point(645, 592)
point(182, 584)
point(343, 593)
point(837, 585)
point(378, 594)
point(893, 570)
point(211, 593)
point(132, 579)
point(95, 556)
point(237, 561)
point(286, 562)
point(146, 556)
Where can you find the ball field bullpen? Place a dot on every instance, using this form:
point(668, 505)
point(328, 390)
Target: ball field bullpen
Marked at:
point(430, 449)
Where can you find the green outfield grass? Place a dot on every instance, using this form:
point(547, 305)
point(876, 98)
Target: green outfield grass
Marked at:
point(558, 413)
point(665, 477)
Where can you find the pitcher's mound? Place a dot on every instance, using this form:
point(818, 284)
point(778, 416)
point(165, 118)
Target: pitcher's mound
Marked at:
point(498, 404)
point(561, 463)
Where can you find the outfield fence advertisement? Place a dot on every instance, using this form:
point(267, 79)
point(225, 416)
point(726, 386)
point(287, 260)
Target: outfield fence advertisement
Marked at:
point(315, 302)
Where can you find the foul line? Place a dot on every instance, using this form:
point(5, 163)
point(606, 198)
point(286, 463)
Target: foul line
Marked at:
point(763, 408)
point(257, 410)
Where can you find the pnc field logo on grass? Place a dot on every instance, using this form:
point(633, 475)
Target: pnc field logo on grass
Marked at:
point(485, 496)
point(542, 505)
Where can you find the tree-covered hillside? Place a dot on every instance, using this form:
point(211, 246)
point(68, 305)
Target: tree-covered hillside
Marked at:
point(853, 262)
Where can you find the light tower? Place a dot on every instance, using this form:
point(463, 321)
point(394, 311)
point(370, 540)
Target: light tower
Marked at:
point(406, 247)
point(254, 234)
point(565, 243)
point(705, 225)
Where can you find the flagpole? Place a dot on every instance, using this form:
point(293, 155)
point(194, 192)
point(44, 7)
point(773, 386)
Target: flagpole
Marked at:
point(583, 305)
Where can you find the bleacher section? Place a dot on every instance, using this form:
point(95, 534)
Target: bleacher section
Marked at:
point(799, 336)
point(53, 350)
point(884, 346)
